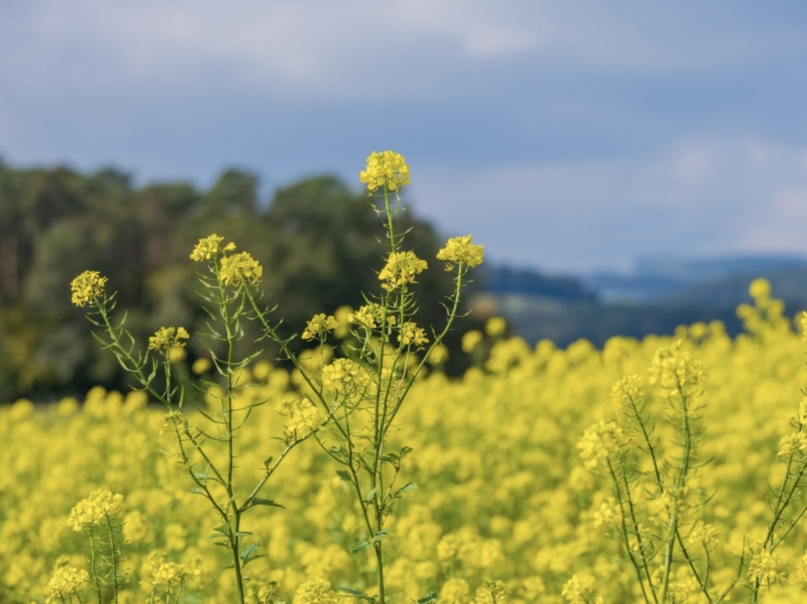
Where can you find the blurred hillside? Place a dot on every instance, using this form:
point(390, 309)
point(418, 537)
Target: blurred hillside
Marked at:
point(661, 294)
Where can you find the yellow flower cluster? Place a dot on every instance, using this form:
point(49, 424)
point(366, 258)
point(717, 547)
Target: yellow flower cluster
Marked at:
point(158, 572)
point(87, 287)
point(97, 509)
point(385, 170)
point(676, 371)
point(240, 268)
point(319, 327)
point(601, 441)
point(462, 251)
point(304, 416)
point(345, 376)
point(412, 335)
point(65, 583)
point(401, 269)
point(210, 247)
point(167, 338)
point(317, 591)
point(370, 316)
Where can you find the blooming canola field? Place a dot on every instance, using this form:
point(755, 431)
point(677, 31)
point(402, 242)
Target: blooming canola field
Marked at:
point(515, 473)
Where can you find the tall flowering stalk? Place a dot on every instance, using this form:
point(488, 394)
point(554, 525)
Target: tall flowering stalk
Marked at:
point(363, 390)
point(229, 281)
point(654, 509)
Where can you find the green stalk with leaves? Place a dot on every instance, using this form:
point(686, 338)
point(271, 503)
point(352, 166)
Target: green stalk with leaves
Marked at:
point(363, 390)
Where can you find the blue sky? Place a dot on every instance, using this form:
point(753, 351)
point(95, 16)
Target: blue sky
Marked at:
point(567, 136)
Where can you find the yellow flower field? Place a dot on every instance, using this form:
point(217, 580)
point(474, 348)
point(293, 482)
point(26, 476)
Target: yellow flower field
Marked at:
point(504, 500)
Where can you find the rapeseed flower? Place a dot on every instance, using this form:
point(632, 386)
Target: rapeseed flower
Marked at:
point(65, 583)
point(412, 335)
point(168, 338)
point(401, 269)
point(87, 287)
point(304, 416)
point(319, 327)
point(240, 268)
point(209, 247)
point(461, 250)
point(95, 510)
point(318, 591)
point(385, 170)
point(676, 371)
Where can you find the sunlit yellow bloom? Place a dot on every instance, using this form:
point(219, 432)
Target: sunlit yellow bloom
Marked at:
point(580, 589)
point(765, 567)
point(65, 583)
point(401, 269)
point(703, 533)
point(167, 338)
point(319, 326)
point(97, 509)
point(370, 316)
point(803, 323)
point(318, 591)
point(676, 371)
point(793, 443)
point(304, 416)
point(496, 326)
point(240, 268)
point(412, 335)
point(455, 591)
point(88, 286)
point(344, 376)
point(492, 593)
point(627, 392)
point(209, 247)
point(760, 289)
point(461, 250)
point(386, 169)
point(600, 441)
point(159, 572)
point(470, 340)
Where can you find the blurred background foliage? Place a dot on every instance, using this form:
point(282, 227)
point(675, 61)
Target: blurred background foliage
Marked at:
point(320, 243)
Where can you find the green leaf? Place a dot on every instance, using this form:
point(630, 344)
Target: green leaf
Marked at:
point(357, 594)
point(344, 475)
point(379, 535)
point(267, 461)
point(359, 547)
point(196, 490)
point(370, 494)
point(407, 488)
point(262, 501)
point(429, 598)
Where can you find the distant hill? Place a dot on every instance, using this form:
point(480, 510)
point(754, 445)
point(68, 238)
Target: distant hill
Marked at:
point(658, 296)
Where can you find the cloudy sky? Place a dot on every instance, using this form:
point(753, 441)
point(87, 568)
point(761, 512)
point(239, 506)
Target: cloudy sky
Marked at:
point(565, 135)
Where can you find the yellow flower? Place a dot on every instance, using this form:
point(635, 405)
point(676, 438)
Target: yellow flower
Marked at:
point(168, 338)
point(600, 441)
point(580, 589)
point(627, 392)
point(455, 591)
point(471, 340)
point(319, 326)
point(411, 334)
point(496, 326)
point(370, 316)
point(676, 371)
point(401, 268)
point(65, 583)
point(492, 593)
point(385, 170)
point(317, 591)
point(240, 268)
point(765, 568)
point(100, 506)
point(209, 247)
point(158, 572)
point(88, 286)
point(304, 417)
point(760, 289)
point(461, 250)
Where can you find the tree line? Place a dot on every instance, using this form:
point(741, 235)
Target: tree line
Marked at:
point(320, 243)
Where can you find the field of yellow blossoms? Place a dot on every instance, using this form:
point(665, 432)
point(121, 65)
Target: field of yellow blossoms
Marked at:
point(511, 482)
